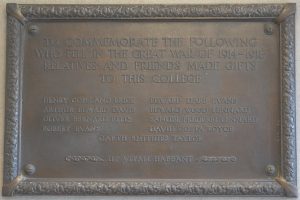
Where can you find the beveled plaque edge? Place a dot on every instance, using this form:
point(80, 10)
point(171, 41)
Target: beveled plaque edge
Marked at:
point(15, 183)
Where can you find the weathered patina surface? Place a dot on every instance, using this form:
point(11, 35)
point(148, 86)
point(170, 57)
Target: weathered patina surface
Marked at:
point(137, 99)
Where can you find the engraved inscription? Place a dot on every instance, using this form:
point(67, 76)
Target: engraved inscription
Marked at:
point(190, 100)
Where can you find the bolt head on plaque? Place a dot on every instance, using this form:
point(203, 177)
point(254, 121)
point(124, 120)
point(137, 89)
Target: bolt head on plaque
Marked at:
point(268, 29)
point(29, 169)
point(33, 29)
point(270, 170)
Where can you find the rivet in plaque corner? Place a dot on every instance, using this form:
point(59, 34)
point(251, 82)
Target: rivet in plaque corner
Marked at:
point(270, 170)
point(29, 169)
point(268, 29)
point(33, 29)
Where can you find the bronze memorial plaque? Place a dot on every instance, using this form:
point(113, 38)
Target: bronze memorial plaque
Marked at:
point(150, 99)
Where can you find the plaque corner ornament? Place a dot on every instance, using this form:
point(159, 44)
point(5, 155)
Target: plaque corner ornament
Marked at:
point(290, 189)
point(8, 188)
point(288, 10)
point(15, 183)
point(13, 10)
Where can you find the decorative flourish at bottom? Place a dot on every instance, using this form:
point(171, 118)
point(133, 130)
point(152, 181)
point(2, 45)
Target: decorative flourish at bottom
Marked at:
point(149, 188)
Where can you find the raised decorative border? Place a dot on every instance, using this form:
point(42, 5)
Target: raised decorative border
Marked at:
point(285, 184)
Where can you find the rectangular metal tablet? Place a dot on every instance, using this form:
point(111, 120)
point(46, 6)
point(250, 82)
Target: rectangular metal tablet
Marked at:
point(150, 99)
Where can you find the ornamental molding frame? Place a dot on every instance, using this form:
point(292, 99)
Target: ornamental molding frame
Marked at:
point(15, 183)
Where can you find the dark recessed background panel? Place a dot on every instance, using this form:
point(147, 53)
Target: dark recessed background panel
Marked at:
point(151, 99)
